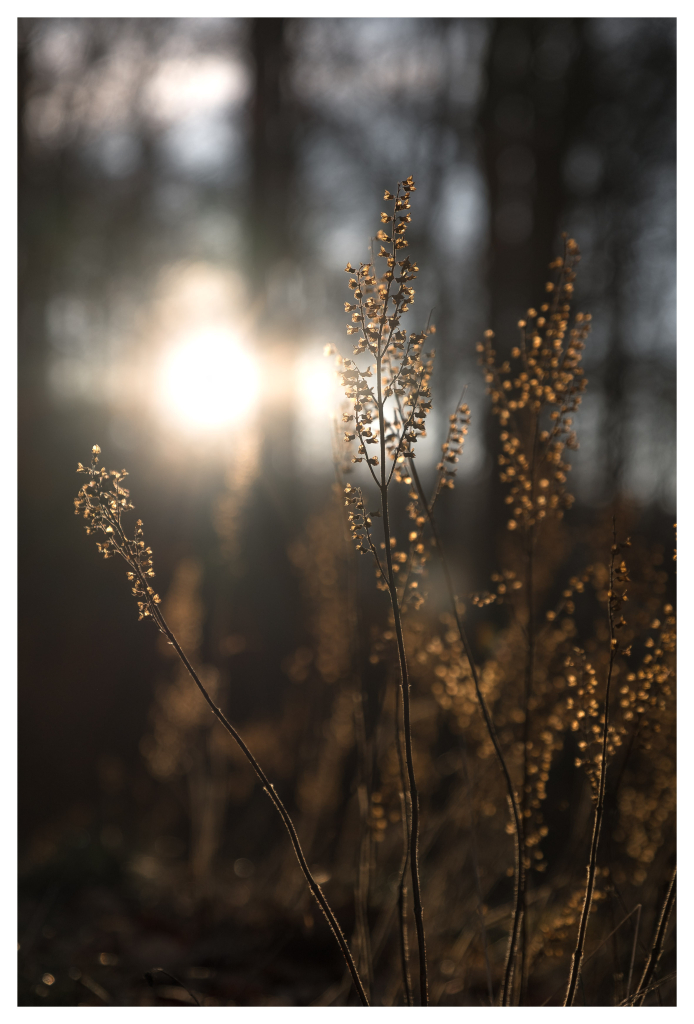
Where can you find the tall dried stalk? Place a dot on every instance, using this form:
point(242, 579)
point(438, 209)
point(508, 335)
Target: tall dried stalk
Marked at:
point(399, 371)
point(476, 867)
point(540, 387)
point(405, 694)
point(527, 698)
point(615, 598)
point(361, 895)
point(102, 502)
point(402, 885)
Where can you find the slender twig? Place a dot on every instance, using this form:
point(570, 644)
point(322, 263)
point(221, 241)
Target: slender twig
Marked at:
point(529, 675)
point(491, 729)
point(642, 993)
point(633, 948)
point(149, 978)
point(402, 903)
point(405, 689)
point(476, 867)
point(637, 911)
point(362, 887)
point(108, 513)
point(600, 804)
point(657, 947)
point(406, 831)
point(313, 885)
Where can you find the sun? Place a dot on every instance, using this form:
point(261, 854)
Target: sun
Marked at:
point(209, 380)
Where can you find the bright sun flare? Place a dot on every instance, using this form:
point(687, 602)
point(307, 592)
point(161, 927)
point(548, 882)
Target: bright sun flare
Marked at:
point(318, 392)
point(209, 380)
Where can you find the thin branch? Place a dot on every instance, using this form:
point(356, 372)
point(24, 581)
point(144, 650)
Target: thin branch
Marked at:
point(597, 949)
point(405, 689)
point(475, 862)
point(651, 988)
point(314, 887)
point(600, 806)
point(633, 948)
point(123, 547)
point(362, 887)
point(529, 677)
point(149, 978)
point(657, 947)
point(402, 885)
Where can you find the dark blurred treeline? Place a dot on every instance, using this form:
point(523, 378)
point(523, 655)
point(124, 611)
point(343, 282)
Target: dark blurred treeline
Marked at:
point(246, 158)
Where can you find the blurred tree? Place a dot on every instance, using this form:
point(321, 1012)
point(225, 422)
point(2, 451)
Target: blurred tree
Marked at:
point(272, 245)
point(576, 129)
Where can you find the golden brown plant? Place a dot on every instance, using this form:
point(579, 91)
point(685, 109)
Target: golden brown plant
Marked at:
point(548, 687)
point(103, 501)
point(401, 374)
point(597, 763)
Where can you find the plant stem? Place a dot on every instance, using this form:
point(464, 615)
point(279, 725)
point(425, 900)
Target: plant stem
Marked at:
point(657, 947)
point(402, 886)
point(633, 949)
point(600, 806)
point(362, 888)
point(491, 729)
point(475, 861)
point(405, 689)
point(402, 912)
point(527, 697)
point(314, 887)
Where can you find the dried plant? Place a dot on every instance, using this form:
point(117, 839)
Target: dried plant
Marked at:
point(390, 399)
point(487, 710)
point(535, 396)
point(616, 596)
point(103, 501)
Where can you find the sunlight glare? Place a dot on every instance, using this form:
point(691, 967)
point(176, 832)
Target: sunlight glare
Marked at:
point(318, 401)
point(210, 379)
point(318, 393)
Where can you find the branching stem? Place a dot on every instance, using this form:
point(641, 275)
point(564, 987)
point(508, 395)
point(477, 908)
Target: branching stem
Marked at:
point(405, 688)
